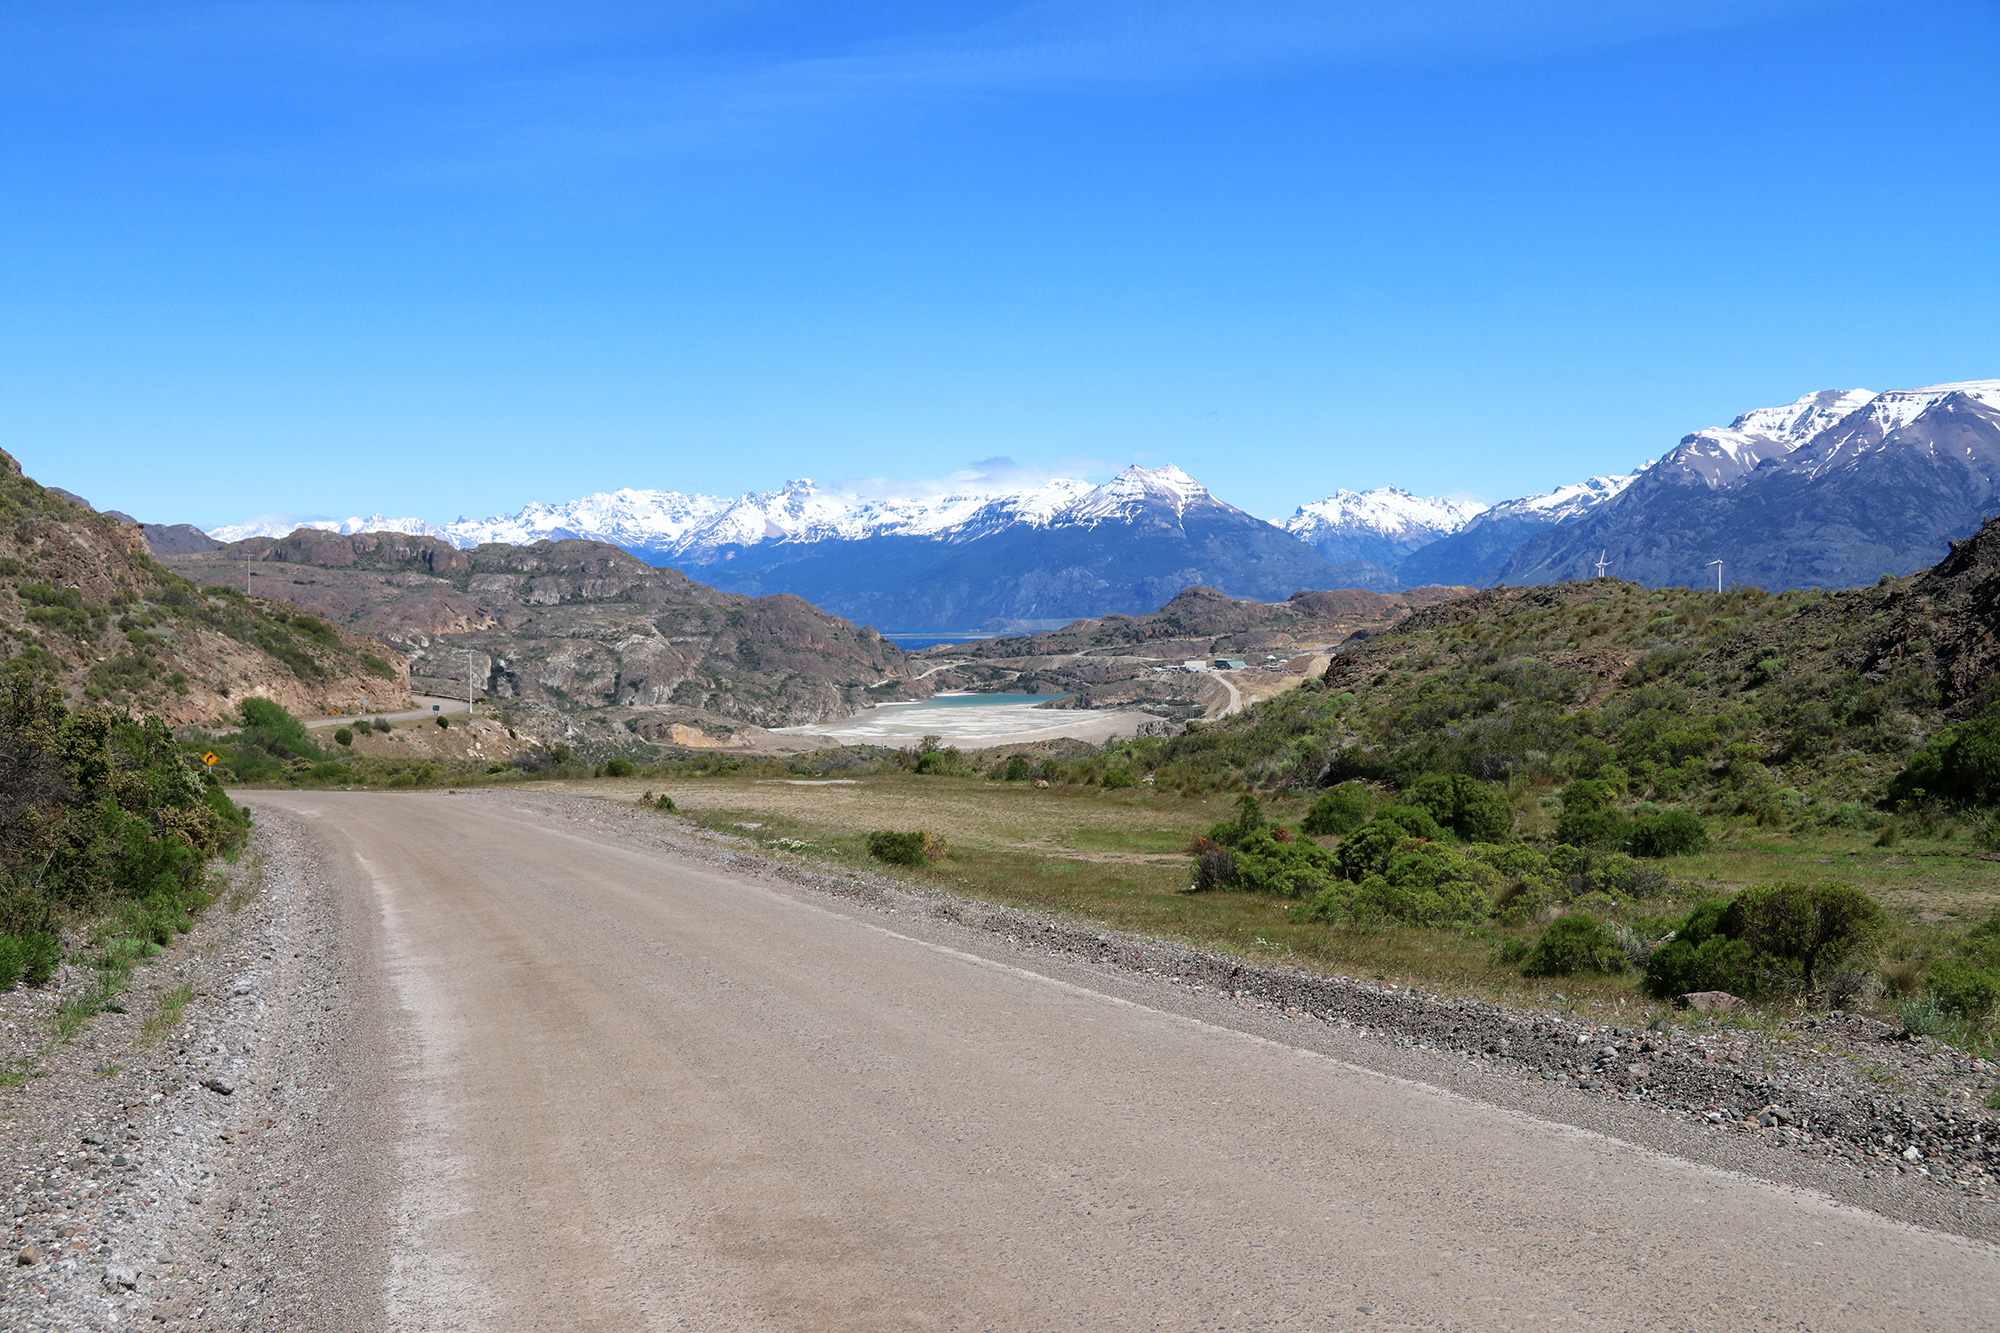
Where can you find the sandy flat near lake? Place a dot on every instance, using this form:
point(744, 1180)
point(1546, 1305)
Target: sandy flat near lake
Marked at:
point(974, 727)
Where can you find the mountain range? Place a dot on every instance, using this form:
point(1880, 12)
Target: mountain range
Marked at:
point(1835, 488)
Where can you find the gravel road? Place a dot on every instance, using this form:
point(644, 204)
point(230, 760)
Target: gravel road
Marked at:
point(521, 1061)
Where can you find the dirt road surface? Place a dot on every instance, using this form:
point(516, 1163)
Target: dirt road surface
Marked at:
point(603, 1090)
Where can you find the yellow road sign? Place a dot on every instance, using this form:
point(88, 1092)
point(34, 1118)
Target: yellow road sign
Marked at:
point(209, 758)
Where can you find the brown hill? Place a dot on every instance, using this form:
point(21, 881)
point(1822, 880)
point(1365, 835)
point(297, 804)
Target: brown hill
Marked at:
point(81, 597)
point(577, 624)
point(1114, 660)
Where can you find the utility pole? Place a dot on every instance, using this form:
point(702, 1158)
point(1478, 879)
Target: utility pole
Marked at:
point(1718, 574)
point(1601, 562)
point(471, 659)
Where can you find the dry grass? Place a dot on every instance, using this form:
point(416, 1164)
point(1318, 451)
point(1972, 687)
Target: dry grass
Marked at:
point(1117, 857)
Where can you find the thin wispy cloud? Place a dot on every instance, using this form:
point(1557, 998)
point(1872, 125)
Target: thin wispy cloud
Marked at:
point(532, 82)
point(988, 476)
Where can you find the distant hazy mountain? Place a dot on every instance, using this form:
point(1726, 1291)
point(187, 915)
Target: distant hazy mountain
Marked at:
point(1831, 491)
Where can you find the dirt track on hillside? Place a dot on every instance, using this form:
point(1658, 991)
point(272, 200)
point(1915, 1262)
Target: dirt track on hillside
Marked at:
point(613, 1090)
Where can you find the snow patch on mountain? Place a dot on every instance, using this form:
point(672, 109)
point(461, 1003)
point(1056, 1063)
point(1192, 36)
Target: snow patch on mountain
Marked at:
point(1721, 455)
point(1387, 512)
point(700, 527)
point(283, 525)
point(1563, 503)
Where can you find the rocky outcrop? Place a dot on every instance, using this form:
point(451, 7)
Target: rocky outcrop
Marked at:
point(574, 623)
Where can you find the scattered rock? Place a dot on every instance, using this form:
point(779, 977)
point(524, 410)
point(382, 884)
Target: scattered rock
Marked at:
point(28, 1255)
point(120, 1277)
point(1712, 1002)
point(217, 1083)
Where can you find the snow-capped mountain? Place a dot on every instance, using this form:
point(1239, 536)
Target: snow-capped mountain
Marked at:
point(1062, 550)
point(1831, 490)
point(1561, 504)
point(1722, 455)
point(280, 525)
point(1474, 555)
point(1381, 526)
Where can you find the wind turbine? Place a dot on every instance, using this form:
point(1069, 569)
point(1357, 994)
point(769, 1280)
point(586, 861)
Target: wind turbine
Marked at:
point(1601, 563)
point(1718, 574)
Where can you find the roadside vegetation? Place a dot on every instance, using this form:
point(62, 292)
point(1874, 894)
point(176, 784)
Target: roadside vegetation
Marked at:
point(107, 828)
point(1588, 794)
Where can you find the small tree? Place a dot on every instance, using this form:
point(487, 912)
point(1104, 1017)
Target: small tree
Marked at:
point(343, 737)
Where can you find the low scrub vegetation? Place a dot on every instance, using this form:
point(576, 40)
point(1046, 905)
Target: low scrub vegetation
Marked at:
point(907, 849)
point(103, 817)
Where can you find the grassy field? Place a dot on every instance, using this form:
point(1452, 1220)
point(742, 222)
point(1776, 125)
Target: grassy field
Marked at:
point(1117, 857)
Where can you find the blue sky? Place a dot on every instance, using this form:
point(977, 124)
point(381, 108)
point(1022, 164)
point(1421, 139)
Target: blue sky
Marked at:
point(444, 259)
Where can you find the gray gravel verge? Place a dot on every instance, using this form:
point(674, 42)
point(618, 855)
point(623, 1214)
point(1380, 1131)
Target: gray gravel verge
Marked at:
point(188, 1187)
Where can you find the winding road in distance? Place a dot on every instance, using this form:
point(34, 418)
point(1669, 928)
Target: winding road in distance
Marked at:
point(610, 1090)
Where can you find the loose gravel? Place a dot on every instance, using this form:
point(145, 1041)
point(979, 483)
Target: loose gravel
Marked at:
point(185, 1180)
point(176, 1181)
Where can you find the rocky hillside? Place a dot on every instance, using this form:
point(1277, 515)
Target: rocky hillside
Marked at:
point(1786, 706)
point(574, 623)
point(81, 598)
point(1121, 661)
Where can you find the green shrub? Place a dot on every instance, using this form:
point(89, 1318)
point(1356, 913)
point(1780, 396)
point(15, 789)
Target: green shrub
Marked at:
point(1777, 937)
point(1671, 833)
point(1966, 989)
point(442, 720)
point(1339, 812)
point(1923, 1016)
point(1018, 769)
point(1118, 776)
point(1805, 927)
point(904, 849)
point(665, 802)
point(39, 955)
point(1263, 862)
point(1574, 944)
point(13, 962)
point(268, 727)
point(343, 736)
point(1960, 765)
point(933, 762)
point(1476, 811)
point(618, 768)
